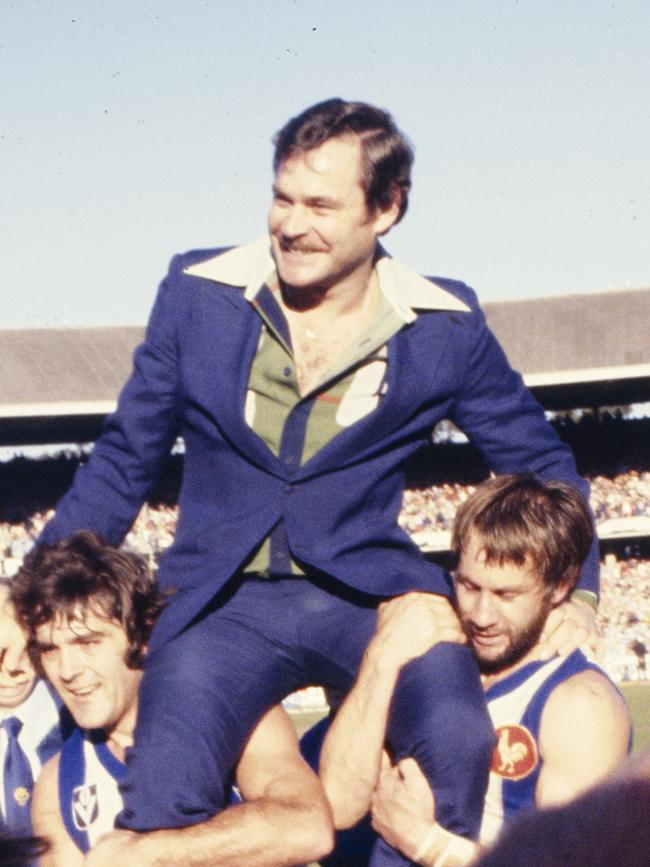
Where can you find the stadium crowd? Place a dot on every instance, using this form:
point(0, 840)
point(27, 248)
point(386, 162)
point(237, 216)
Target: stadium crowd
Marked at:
point(432, 509)
point(425, 511)
point(624, 611)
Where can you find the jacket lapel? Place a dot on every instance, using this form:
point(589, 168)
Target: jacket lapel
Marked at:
point(219, 366)
point(416, 365)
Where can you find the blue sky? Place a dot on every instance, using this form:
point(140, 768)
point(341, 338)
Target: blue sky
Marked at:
point(133, 130)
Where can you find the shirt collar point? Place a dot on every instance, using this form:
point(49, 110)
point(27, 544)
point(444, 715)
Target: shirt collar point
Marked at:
point(247, 266)
point(408, 291)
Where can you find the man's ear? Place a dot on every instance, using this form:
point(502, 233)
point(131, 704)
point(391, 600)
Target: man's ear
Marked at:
point(561, 592)
point(385, 218)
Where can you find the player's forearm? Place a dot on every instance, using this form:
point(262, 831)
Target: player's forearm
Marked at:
point(408, 626)
point(262, 833)
point(351, 757)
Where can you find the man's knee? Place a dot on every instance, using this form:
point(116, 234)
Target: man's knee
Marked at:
point(439, 713)
point(444, 682)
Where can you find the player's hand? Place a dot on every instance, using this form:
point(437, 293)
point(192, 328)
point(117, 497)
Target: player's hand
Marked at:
point(402, 806)
point(410, 625)
point(569, 626)
point(13, 641)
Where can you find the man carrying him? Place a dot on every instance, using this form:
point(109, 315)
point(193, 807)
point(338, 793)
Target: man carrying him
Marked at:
point(561, 724)
point(89, 610)
point(302, 371)
point(32, 729)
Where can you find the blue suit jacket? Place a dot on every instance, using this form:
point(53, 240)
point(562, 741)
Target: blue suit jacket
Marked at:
point(340, 508)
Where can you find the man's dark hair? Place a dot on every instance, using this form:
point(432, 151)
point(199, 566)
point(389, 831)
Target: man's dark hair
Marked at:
point(81, 574)
point(386, 153)
point(521, 519)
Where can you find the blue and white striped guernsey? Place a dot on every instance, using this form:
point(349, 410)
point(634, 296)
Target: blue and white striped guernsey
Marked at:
point(89, 795)
point(516, 704)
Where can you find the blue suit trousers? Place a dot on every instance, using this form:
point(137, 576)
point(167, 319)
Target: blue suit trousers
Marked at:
point(204, 691)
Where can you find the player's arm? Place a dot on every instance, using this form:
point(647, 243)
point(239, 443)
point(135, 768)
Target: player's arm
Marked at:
point(584, 735)
point(47, 820)
point(407, 627)
point(285, 818)
point(403, 811)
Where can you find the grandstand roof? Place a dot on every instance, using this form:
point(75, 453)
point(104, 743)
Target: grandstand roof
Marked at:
point(579, 350)
point(57, 384)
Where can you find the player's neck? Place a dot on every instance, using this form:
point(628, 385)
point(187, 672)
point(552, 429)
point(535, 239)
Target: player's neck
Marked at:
point(489, 680)
point(120, 737)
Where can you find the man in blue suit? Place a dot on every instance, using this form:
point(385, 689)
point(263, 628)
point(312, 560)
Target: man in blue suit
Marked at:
point(302, 371)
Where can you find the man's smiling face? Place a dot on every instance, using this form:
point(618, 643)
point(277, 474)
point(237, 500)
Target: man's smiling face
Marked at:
point(84, 657)
point(502, 607)
point(321, 229)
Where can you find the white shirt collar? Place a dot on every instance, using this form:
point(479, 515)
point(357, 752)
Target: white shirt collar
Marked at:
point(38, 713)
point(251, 265)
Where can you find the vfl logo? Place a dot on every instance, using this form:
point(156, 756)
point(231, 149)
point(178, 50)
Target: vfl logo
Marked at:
point(21, 795)
point(85, 808)
point(515, 755)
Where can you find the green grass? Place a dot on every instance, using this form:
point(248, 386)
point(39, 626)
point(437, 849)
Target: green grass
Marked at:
point(637, 695)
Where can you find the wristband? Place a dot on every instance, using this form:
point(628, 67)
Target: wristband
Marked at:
point(429, 839)
point(458, 851)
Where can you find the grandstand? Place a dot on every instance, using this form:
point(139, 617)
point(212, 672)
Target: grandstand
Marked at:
point(575, 352)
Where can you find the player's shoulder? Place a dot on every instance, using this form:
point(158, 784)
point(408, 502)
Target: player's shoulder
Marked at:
point(587, 693)
point(585, 684)
point(585, 725)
